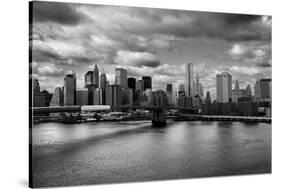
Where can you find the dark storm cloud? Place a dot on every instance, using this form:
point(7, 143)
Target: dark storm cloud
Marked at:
point(239, 18)
point(41, 55)
point(61, 13)
point(69, 35)
point(182, 24)
point(264, 65)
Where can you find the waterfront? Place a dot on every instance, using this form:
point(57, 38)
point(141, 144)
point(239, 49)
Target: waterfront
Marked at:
point(109, 152)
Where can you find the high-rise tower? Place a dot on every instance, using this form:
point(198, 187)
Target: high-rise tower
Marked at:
point(121, 77)
point(224, 87)
point(70, 89)
point(189, 79)
point(96, 76)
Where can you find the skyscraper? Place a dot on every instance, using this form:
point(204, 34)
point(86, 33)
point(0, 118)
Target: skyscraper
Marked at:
point(147, 82)
point(208, 98)
point(264, 84)
point(140, 86)
point(224, 87)
point(103, 80)
point(39, 98)
point(57, 99)
point(98, 97)
point(257, 92)
point(189, 79)
point(159, 98)
point(248, 91)
point(70, 89)
point(197, 85)
point(96, 76)
point(113, 95)
point(237, 85)
point(132, 83)
point(201, 91)
point(169, 88)
point(88, 78)
point(182, 90)
point(127, 96)
point(35, 86)
point(121, 77)
point(103, 84)
point(82, 97)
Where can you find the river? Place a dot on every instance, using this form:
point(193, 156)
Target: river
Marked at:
point(111, 152)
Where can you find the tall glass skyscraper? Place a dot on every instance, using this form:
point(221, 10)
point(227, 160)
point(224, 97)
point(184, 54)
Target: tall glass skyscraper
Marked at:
point(224, 87)
point(103, 80)
point(70, 89)
point(147, 82)
point(121, 77)
point(96, 76)
point(189, 79)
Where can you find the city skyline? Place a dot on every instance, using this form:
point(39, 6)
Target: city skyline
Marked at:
point(95, 93)
point(167, 40)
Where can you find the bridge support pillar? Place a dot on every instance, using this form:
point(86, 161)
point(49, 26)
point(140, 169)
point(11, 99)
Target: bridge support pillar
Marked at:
point(158, 117)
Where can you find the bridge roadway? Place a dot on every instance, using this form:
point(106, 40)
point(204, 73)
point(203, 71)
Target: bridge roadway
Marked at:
point(158, 113)
point(55, 109)
point(220, 118)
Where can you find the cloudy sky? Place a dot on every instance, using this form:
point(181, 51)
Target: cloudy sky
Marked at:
point(155, 42)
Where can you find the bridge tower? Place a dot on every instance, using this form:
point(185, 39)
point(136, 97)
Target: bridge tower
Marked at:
point(158, 117)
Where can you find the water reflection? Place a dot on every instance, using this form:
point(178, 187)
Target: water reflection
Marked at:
point(134, 151)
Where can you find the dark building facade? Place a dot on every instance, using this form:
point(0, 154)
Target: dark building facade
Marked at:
point(70, 89)
point(265, 89)
point(132, 83)
point(147, 82)
point(113, 95)
point(88, 78)
point(159, 99)
point(169, 88)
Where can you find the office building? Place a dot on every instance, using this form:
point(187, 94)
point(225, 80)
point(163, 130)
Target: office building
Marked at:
point(264, 86)
point(103, 81)
point(159, 98)
point(184, 102)
point(189, 80)
point(208, 98)
point(127, 96)
point(197, 86)
point(70, 89)
point(149, 96)
point(224, 87)
point(248, 91)
point(147, 82)
point(121, 77)
point(132, 83)
point(88, 79)
point(113, 95)
point(169, 88)
point(98, 96)
point(82, 97)
point(57, 98)
point(42, 99)
point(257, 91)
point(238, 93)
point(96, 76)
point(140, 86)
point(35, 86)
point(103, 84)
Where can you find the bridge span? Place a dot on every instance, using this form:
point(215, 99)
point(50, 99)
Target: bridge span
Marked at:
point(158, 113)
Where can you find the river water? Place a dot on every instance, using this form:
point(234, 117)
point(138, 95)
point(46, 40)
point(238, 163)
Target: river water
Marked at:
point(111, 152)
